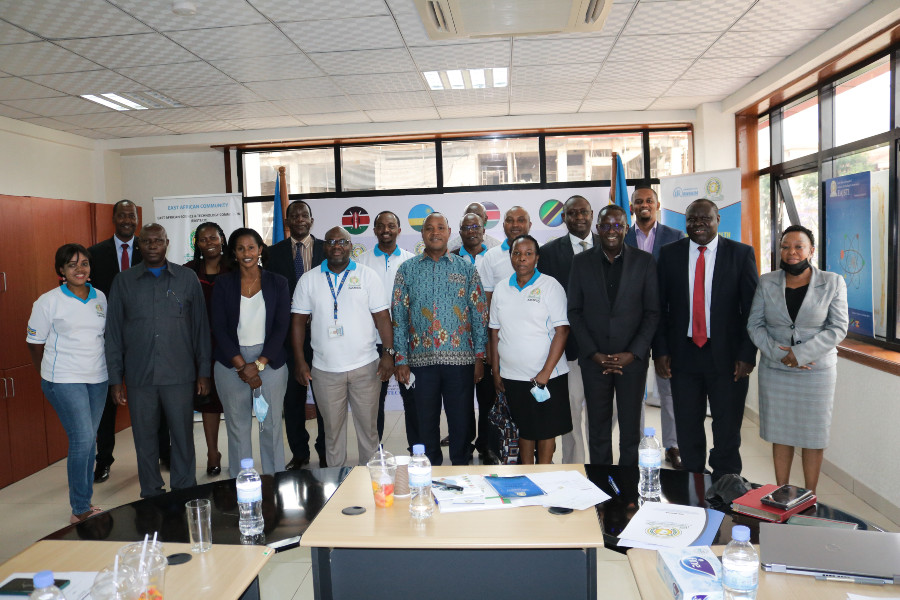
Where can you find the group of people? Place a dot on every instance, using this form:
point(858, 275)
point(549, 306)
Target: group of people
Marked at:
point(564, 331)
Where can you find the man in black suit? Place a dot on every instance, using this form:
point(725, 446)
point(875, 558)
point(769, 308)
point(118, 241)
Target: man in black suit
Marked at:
point(291, 258)
point(613, 312)
point(706, 287)
point(556, 261)
point(108, 259)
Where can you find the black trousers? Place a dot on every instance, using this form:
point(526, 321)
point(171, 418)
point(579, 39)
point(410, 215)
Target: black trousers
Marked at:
point(409, 411)
point(692, 387)
point(627, 390)
point(453, 387)
point(295, 416)
point(485, 394)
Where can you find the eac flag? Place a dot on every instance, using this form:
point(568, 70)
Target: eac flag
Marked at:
point(278, 222)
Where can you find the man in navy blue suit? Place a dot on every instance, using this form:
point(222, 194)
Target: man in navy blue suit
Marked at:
point(649, 235)
point(706, 287)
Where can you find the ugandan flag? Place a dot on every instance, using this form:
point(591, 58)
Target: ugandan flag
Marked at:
point(355, 220)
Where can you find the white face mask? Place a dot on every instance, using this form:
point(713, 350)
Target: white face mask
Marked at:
point(541, 394)
point(260, 406)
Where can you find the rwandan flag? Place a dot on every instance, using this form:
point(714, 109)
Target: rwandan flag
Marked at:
point(278, 218)
point(622, 188)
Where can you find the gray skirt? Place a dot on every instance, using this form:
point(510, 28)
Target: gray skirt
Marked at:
point(795, 406)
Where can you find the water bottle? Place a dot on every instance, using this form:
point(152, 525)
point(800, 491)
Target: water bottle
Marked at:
point(421, 506)
point(649, 459)
point(740, 566)
point(249, 496)
point(44, 588)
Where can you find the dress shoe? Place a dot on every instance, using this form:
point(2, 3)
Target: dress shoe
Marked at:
point(673, 457)
point(214, 467)
point(323, 463)
point(296, 464)
point(445, 441)
point(101, 473)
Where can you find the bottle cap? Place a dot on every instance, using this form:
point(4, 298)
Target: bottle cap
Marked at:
point(246, 463)
point(418, 448)
point(740, 533)
point(649, 431)
point(43, 579)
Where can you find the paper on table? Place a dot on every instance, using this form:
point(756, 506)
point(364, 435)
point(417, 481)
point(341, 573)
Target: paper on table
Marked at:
point(79, 587)
point(566, 489)
point(861, 597)
point(658, 525)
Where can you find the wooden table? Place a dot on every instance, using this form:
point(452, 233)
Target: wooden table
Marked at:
point(772, 586)
point(224, 573)
point(524, 551)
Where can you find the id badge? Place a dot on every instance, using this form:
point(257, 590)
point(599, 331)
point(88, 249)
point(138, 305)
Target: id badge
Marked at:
point(336, 331)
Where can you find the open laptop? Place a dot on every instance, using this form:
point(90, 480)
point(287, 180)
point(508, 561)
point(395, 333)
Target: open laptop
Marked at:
point(832, 554)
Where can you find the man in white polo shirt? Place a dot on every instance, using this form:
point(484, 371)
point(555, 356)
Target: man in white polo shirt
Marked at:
point(496, 267)
point(345, 304)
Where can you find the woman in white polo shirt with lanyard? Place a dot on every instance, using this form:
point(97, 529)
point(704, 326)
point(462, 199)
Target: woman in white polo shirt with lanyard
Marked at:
point(529, 327)
point(65, 339)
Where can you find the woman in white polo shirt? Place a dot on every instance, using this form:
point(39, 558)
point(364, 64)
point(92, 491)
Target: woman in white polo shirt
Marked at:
point(529, 327)
point(65, 339)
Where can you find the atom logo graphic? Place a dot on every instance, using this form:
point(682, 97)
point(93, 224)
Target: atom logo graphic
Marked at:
point(852, 261)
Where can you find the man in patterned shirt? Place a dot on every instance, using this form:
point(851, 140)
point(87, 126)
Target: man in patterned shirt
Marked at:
point(440, 322)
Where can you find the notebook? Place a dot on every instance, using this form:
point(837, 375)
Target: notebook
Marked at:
point(833, 554)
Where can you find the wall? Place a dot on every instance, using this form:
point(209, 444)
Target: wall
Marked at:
point(714, 138)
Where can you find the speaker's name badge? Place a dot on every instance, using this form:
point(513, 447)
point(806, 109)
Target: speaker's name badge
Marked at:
point(336, 331)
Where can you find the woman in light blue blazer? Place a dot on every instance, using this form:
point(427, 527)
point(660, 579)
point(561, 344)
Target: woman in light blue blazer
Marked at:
point(798, 317)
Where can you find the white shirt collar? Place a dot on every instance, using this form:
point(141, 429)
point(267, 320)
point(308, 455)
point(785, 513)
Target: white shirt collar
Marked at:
point(576, 241)
point(710, 247)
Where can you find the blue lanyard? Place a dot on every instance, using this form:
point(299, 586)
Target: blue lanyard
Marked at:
point(333, 294)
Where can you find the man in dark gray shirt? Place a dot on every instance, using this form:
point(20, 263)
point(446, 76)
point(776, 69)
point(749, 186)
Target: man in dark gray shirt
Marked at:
point(158, 345)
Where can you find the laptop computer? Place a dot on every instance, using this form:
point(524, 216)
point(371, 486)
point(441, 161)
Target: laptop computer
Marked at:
point(832, 554)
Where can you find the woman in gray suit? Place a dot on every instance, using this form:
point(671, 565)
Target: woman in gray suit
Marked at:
point(798, 317)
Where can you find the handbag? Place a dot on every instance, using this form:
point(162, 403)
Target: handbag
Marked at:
point(501, 418)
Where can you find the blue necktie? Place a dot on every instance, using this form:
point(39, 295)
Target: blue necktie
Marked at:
point(298, 263)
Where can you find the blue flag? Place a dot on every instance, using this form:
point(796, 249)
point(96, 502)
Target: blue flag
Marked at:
point(622, 188)
point(278, 220)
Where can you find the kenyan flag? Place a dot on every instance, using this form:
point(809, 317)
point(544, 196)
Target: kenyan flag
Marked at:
point(355, 220)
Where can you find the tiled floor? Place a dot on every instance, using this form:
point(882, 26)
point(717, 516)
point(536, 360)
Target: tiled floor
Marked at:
point(37, 506)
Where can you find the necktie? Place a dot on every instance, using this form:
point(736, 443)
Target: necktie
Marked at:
point(298, 262)
point(583, 245)
point(698, 306)
point(126, 261)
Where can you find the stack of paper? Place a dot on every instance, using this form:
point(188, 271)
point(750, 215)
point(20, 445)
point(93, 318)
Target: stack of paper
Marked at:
point(657, 525)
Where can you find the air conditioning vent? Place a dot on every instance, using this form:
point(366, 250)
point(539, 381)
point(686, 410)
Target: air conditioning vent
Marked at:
point(450, 19)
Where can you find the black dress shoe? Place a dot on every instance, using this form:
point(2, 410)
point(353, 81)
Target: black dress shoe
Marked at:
point(296, 464)
point(323, 463)
point(673, 457)
point(214, 467)
point(101, 473)
point(445, 441)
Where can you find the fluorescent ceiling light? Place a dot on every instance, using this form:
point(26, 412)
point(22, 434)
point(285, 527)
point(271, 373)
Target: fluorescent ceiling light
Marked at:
point(500, 77)
point(434, 80)
point(129, 103)
point(466, 79)
point(477, 77)
point(103, 101)
point(456, 80)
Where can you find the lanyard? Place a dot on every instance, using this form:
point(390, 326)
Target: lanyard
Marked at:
point(333, 294)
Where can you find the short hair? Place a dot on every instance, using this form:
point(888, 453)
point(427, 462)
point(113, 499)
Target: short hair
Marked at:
point(644, 186)
point(611, 208)
point(67, 252)
point(704, 200)
point(287, 212)
point(526, 238)
point(122, 203)
point(574, 198)
point(241, 232)
point(801, 229)
point(384, 212)
point(197, 255)
point(437, 214)
point(480, 220)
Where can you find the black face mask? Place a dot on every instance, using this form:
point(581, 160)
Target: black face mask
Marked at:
point(795, 269)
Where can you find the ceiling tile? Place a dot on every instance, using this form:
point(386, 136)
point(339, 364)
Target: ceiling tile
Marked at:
point(679, 16)
point(707, 87)
point(336, 118)
point(140, 50)
point(54, 107)
point(470, 97)
point(740, 44)
point(139, 131)
point(10, 34)
point(464, 111)
point(51, 123)
point(540, 108)
point(266, 122)
point(93, 134)
point(210, 13)
point(311, 10)
point(618, 89)
point(380, 83)
point(534, 93)
point(462, 56)
point(394, 100)
point(615, 104)
point(309, 106)
point(14, 88)
point(55, 19)
point(730, 67)
point(560, 51)
point(314, 87)
point(362, 62)
point(617, 18)
point(269, 68)
point(88, 82)
point(682, 102)
point(651, 47)
point(200, 126)
point(641, 70)
point(403, 114)
point(107, 119)
point(365, 33)
point(805, 14)
point(39, 58)
point(181, 75)
point(553, 74)
point(212, 94)
point(234, 42)
point(14, 113)
point(244, 111)
point(165, 116)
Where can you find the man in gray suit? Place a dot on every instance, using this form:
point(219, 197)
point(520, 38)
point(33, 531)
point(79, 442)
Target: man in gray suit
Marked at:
point(613, 312)
point(650, 236)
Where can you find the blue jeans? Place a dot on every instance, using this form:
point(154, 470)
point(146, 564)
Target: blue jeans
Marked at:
point(79, 407)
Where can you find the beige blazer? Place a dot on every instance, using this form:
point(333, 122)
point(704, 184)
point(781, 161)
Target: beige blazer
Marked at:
point(821, 322)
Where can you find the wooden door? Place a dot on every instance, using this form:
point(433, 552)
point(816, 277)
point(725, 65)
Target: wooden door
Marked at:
point(25, 416)
point(17, 288)
point(6, 474)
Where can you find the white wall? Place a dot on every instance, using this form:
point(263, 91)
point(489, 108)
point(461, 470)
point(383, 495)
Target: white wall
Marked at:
point(714, 138)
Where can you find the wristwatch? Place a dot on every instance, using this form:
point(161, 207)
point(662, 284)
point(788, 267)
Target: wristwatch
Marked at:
point(259, 366)
point(391, 352)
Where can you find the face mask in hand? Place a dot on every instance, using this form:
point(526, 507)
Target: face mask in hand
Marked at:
point(540, 393)
point(260, 406)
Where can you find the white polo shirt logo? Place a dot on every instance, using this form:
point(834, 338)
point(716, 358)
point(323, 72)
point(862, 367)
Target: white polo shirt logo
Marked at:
point(100, 312)
point(353, 283)
point(535, 295)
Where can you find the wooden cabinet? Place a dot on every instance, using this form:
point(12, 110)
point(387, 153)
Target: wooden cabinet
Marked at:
point(18, 288)
point(25, 417)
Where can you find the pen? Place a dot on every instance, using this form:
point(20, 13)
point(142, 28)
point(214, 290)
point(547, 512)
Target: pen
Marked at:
point(447, 486)
point(614, 486)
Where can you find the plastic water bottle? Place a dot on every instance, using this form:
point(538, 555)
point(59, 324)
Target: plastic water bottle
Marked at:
point(249, 496)
point(740, 566)
point(44, 588)
point(649, 459)
point(421, 506)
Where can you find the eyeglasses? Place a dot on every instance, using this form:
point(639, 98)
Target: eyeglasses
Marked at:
point(341, 242)
point(466, 228)
point(607, 227)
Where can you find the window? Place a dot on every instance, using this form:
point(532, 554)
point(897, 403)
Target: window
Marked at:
point(862, 103)
point(260, 216)
point(306, 171)
point(765, 224)
point(494, 161)
point(763, 144)
point(589, 158)
point(388, 167)
point(670, 154)
point(801, 128)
